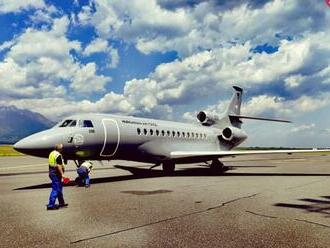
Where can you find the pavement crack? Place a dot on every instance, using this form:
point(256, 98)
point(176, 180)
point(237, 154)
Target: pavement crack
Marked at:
point(231, 201)
point(163, 220)
point(261, 215)
point(299, 220)
point(313, 223)
point(306, 184)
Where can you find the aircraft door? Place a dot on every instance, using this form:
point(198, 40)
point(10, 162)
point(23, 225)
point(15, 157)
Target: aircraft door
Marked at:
point(111, 138)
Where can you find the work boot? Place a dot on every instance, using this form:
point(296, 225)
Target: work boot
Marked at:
point(53, 208)
point(64, 205)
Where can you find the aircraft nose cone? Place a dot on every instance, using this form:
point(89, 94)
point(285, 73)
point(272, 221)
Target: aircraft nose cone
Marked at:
point(39, 144)
point(22, 145)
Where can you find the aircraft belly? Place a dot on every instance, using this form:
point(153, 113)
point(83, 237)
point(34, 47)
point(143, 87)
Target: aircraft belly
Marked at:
point(160, 150)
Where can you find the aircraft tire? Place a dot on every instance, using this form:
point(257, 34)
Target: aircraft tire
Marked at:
point(217, 167)
point(168, 168)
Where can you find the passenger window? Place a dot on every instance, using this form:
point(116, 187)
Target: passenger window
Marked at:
point(138, 131)
point(192, 135)
point(163, 133)
point(183, 134)
point(151, 132)
point(168, 133)
point(145, 131)
point(173, 133)
point(157, 132)
point(188, 135)
point(178, 134)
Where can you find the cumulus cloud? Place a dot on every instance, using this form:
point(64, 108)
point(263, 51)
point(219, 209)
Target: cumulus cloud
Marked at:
point(207, 74)
point(275, 106)
point(99, 45)
point(192, 26)
point(135, 21)
point(303, 128)
point(40, 61)
point(56, 108)
point(18, 5)
point(85, 79)
point(44, 15)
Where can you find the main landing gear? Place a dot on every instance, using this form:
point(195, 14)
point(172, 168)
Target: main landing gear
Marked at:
point(217, 167)
point(168, 167)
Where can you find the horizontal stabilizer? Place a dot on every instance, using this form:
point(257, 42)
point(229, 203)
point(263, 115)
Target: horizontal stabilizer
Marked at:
point(257, 118)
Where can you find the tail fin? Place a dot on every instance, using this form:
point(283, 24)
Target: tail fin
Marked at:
point(234, 110)
point(232, 116)
point(234, 107)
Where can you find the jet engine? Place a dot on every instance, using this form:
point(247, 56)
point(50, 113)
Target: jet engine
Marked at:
point(233, 135)
point(206, 119)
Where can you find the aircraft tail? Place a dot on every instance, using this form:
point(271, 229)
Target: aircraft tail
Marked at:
point(234, 107)
point(232, 116)
point(234, 110)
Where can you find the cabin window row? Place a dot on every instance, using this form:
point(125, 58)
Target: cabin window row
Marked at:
point(167, 133)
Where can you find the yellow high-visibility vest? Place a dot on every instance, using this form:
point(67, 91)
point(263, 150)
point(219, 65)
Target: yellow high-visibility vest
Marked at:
point(53, 157)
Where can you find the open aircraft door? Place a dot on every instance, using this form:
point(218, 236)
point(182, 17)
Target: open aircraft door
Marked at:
point(111, 138)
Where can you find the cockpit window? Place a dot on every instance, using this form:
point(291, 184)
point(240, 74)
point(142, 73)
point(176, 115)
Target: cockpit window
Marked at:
point(86, 123)
point(65, 123)
point(73, 123)
point(68, 123)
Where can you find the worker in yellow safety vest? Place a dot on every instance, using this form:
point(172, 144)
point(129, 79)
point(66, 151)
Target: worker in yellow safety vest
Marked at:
point(56, 175)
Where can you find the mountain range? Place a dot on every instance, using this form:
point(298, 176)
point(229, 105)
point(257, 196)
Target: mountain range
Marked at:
point(18, 123)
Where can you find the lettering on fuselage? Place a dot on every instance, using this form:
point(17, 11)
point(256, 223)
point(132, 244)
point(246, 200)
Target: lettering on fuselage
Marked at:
point(140, 123)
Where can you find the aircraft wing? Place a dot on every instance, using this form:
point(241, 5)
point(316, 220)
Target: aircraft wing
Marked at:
point(220, 154)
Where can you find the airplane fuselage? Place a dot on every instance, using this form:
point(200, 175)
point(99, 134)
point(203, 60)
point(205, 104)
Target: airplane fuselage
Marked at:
point(110, 137)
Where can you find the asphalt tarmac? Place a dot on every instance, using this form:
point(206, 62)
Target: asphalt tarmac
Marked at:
point(262, 201)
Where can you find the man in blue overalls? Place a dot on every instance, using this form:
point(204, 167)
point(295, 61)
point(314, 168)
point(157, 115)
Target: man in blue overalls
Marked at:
point(56, 174)
point(83, 173)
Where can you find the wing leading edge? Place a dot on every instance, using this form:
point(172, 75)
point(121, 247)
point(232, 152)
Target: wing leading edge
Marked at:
point(219, 154)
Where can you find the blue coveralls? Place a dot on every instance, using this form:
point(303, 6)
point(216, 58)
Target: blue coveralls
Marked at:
point(55, 177)
point(83, 175)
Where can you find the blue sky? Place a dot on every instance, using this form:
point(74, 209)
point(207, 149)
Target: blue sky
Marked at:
point(169, 59)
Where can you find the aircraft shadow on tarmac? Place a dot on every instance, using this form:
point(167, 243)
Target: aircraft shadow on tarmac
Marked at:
point(141, 173)
point(311, 205)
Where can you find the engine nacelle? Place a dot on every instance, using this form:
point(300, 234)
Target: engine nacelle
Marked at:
point(206, 119)
point(233, 135)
